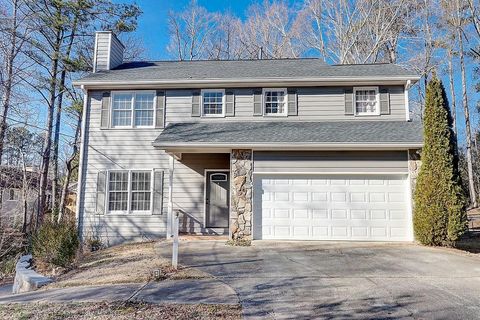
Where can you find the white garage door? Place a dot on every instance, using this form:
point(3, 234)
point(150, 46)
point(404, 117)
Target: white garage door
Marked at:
point(372, 208)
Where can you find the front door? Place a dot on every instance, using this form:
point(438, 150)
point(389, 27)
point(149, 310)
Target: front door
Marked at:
point(217, 199)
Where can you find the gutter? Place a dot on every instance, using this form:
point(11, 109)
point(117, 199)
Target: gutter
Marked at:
point(176, 83)
point(290, 146)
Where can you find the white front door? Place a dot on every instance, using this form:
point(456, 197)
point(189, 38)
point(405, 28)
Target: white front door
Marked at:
point(350, 207)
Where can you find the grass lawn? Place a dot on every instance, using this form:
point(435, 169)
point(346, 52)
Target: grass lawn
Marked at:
point(130, 263)
point(118, 311)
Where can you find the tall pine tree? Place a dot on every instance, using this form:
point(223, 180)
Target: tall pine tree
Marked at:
point(439, 210)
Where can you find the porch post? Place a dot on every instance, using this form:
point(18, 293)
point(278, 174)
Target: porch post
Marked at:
point(171, 166)
point(241, 194)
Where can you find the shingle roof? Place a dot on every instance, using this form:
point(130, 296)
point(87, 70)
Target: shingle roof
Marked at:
point(243, 69)
point(292, 132)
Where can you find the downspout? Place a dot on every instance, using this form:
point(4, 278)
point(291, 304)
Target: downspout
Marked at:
point(80, 162)
point(407, 101)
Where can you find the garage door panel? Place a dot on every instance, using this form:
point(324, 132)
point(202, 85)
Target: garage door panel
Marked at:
point(331, 207)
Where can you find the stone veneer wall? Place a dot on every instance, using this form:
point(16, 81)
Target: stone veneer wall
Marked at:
point(241, 195)
point(414, 164)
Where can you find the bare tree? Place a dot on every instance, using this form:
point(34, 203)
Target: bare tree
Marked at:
point(459, 23)
point(189, 32)
point(13, 35)
point(361, 31)
point(271, 31)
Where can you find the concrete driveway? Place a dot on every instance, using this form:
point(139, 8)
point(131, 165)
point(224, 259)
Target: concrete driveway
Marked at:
point(307, 280)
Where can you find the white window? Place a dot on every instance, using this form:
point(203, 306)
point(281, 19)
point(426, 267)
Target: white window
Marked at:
point(129, 191)
point(275, 102)
point(133, 109)
point(213, 103)
point(118, 191)
point(13, 195)
point(141, 191)
point(366, 101)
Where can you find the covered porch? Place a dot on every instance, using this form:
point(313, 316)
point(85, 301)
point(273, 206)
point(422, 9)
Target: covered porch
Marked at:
point(211, 191)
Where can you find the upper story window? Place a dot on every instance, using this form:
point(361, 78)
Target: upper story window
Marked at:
point(13, 195)
point(366, 101)
point(133, 109)
point(213, 103)
point(275, 102)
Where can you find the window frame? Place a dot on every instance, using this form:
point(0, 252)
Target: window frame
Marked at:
point(377, 97)
point(264, 102)
point(16, 195)
point(132, 108)
point(129, 196)
point(206, 115)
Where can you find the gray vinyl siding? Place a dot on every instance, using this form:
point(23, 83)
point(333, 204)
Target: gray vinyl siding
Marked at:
point(118, 149)
point(331, 161)
point(116, 53)
point(189, 185)
point(103, 42)
point(314, 104)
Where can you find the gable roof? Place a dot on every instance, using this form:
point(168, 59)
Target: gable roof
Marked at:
point(244, 71)
point(292, 134)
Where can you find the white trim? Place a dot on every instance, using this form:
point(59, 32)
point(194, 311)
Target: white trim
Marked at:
point(285, 102)
point(171, 167)
point(95, 53)
point(205, 173)
point(81, 160)
point(109, 51)
point(129, 190)
point(257, 82)
point(407, 100)
point(292, 146)
point(409, 201)
point(377, 95)
point(222, 115)
point(335, 173)
point(132, 118)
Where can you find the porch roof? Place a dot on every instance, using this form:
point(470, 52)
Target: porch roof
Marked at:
point(291, 135)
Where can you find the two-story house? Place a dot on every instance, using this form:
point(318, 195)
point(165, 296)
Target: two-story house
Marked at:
point(261, 149)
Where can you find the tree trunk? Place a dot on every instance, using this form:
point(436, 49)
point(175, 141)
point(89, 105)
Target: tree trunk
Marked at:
point(70, 168)
point(49, 124)
point(24, 195)
point(56, 136)
point(468, 130)
point(8, 78)
point(453, 101)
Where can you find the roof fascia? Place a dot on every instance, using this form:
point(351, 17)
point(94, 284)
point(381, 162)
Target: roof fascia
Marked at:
point(205, 83)
point(203, 147)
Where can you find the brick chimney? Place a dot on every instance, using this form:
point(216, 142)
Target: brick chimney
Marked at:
point(108, 52)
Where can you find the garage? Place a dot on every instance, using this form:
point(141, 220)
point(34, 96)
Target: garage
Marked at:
point(362, 207)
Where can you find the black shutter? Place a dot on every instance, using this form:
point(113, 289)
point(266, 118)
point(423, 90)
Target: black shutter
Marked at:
point(160, 110)
point(101, 192)
point(196, 96)
point(349, 108)
point(105, 112)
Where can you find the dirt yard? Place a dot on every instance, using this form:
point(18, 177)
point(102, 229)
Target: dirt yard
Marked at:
point(118, 311)
point(131, 263)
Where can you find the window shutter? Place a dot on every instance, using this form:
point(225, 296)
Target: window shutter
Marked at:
point(196, 95)
point(157, 192)
point(229, 103)
point(101, 192)
point(384, 101)
point(257, 102)
point(292, 102)
point(349, 108)
point(105, 112)
point(160, 109)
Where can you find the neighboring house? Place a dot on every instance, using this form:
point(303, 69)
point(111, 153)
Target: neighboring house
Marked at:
point(263, 149)
point(11, 194)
